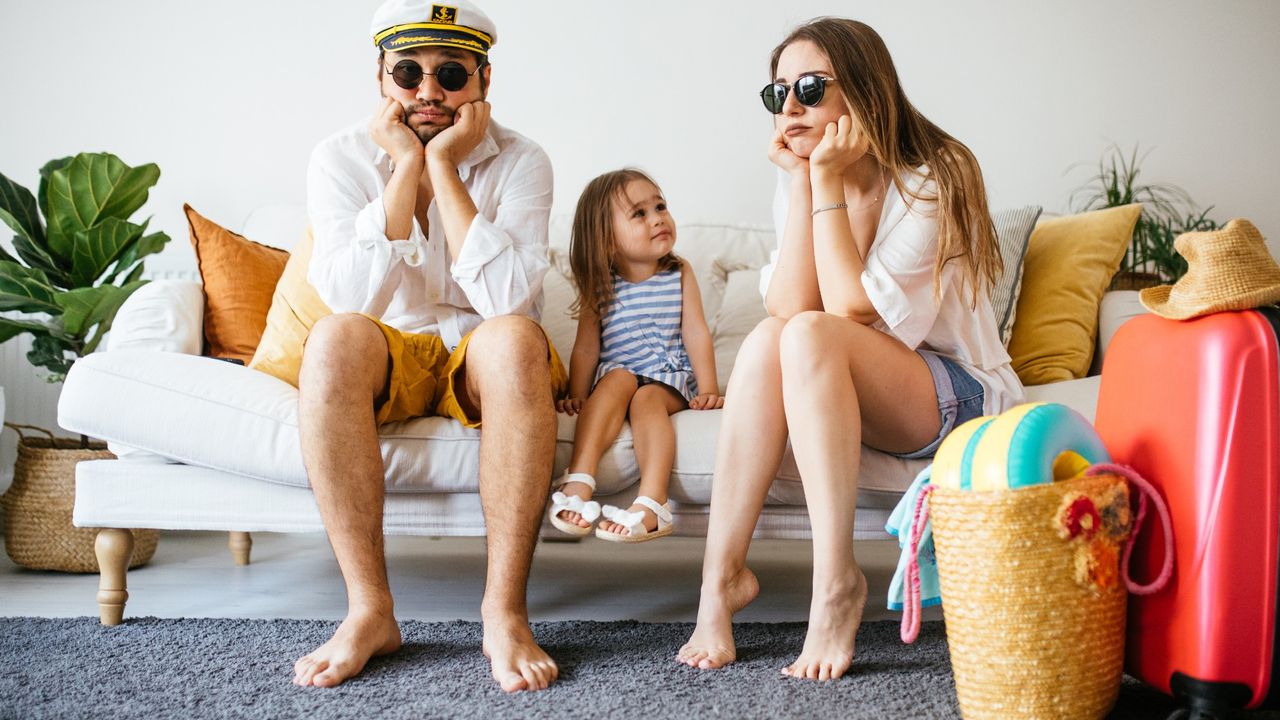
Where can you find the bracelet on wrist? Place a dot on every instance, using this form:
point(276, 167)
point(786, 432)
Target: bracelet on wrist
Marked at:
point(837, 206)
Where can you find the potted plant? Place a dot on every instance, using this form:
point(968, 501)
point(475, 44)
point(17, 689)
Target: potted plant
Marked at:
point(1167, 212)
point(77, 258)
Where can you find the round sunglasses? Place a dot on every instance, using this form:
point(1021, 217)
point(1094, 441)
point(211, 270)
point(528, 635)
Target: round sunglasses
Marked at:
point(809, 90)
point(451, 75)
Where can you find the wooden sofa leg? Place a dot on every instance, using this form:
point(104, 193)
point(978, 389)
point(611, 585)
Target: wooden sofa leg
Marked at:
point(240, 544)
point(114, 547)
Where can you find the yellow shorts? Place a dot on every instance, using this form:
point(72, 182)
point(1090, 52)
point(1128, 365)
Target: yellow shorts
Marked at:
point(422, 372)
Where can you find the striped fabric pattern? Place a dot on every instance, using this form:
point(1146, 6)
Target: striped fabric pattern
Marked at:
point(1013, 230)
point(640, 332)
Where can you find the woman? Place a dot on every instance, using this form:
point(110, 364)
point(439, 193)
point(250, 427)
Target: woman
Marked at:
point(880, 329)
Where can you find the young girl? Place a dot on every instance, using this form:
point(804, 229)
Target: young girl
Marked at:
point(880, 332)
point(643, 352)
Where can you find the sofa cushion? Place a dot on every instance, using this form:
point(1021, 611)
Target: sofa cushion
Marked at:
point(295, 308)
point(205, 412)
point(212, 414)
point(1070, 261)
point(239, 277)
point(1013, 230)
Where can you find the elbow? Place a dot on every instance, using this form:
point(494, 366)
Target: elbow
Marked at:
point(860, 315)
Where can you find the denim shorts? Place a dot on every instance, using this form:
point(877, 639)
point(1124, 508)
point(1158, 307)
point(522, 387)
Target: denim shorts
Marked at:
point(960, 399)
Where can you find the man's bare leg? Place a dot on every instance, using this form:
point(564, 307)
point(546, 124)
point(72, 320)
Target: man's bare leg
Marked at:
point(844, 383)
point(344, 370)
point(506, 376)
point(753, 436)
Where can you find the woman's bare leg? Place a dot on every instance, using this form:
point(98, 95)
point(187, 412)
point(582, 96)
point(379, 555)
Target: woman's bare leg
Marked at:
point(655, 441)
point(753, 436)
point(844, 383)
point(598, 426)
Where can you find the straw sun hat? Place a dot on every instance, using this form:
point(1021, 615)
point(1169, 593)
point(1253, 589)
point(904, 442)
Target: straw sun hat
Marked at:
point(1227, 269)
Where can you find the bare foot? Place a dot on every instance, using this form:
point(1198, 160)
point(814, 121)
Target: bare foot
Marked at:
point(515, 658)
point(359, 637)
point(833, 624)
point(650, 521)
point(711, 645)
point(581, 490)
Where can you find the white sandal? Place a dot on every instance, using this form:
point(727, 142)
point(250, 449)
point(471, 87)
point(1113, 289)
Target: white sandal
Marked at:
point(634, 522)
point(588, 509)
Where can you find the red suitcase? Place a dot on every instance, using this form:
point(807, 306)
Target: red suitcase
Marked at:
point(1194, 406)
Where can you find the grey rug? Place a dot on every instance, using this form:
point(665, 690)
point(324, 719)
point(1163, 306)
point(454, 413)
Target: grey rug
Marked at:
point(201, 668)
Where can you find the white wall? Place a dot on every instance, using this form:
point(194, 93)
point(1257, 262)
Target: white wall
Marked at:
point(229, 97)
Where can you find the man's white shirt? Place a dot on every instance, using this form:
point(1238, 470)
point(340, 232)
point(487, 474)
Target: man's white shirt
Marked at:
point(410, 284)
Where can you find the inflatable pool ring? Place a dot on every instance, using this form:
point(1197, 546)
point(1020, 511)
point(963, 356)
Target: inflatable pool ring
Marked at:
point(1027, 445)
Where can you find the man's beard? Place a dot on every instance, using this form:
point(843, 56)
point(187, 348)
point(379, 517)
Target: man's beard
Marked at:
point(427, 131)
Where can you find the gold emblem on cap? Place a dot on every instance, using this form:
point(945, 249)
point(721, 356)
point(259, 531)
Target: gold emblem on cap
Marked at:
point(444, 14)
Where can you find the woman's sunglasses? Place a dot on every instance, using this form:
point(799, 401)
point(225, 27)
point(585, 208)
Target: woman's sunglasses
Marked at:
point(452, 76)
point(809, 90)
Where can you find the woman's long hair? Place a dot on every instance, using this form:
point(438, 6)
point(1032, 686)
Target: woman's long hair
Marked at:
point(903, 140)
point(591, 247)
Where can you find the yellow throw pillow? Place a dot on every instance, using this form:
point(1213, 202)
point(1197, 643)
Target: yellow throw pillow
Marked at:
point(238, 277)
point(295, 309)
point(1069, 263)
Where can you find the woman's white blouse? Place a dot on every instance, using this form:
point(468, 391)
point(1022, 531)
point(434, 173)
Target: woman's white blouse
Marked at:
point(898, 280)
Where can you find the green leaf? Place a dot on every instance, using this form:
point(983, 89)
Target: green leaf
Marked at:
point(13, 327)
point(36, 257)
point(99, 246)
point(45, 172)
point(133, 274)
point(18, 210)
point(90, 189)
point(6, 257)
point(26, 289)
point(146, 245)
point(86, 307)
point(51, 352)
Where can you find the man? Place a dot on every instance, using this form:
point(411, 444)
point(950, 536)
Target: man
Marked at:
point(430, 230)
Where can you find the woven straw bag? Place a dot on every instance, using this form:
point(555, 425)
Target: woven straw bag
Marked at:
point(1034, 585)
point(38, 533)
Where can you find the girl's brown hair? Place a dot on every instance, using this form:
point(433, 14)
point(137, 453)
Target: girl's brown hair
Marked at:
point(902, 140)
point(591, 247)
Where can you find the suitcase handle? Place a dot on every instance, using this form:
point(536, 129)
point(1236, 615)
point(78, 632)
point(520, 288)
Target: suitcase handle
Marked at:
point(1145, 491)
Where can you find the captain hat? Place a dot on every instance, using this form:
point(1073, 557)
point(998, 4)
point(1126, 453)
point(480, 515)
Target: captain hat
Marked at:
point(405, 24)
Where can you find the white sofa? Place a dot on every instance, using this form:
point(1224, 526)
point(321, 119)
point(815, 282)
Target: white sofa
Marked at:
point(208, 445)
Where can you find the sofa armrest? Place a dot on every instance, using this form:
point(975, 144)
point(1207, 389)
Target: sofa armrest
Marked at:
point(1118, 307)
point(163, 315)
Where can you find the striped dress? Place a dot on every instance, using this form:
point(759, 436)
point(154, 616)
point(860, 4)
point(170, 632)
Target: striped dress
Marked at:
point(640, 332)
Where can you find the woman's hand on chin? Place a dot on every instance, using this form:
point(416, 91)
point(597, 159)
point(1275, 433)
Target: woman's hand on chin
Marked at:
point(841, 146)
point(781, 155)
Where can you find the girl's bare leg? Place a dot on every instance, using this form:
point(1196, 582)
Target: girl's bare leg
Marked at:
point(655, 441)
point(753, 436)
point(598, 426)
point(845, 383)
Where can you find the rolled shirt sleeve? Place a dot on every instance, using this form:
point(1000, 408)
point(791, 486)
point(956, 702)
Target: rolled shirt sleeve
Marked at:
point(354, 267)
point(504, 260)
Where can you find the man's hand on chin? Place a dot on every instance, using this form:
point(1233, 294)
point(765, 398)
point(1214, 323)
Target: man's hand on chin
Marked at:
point(453, 144)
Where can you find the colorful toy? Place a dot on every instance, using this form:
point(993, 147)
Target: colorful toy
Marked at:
point(1028, 445)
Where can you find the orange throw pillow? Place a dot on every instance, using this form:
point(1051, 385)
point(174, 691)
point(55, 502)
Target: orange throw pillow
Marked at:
point(239, 278)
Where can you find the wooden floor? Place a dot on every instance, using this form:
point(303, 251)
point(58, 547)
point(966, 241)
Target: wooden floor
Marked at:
point(295, 576)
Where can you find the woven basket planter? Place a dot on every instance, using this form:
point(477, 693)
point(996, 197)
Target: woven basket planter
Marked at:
point(38, 533)
point(1034, 605)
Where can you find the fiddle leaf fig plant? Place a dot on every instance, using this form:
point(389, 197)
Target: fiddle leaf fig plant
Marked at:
point(78, 256)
